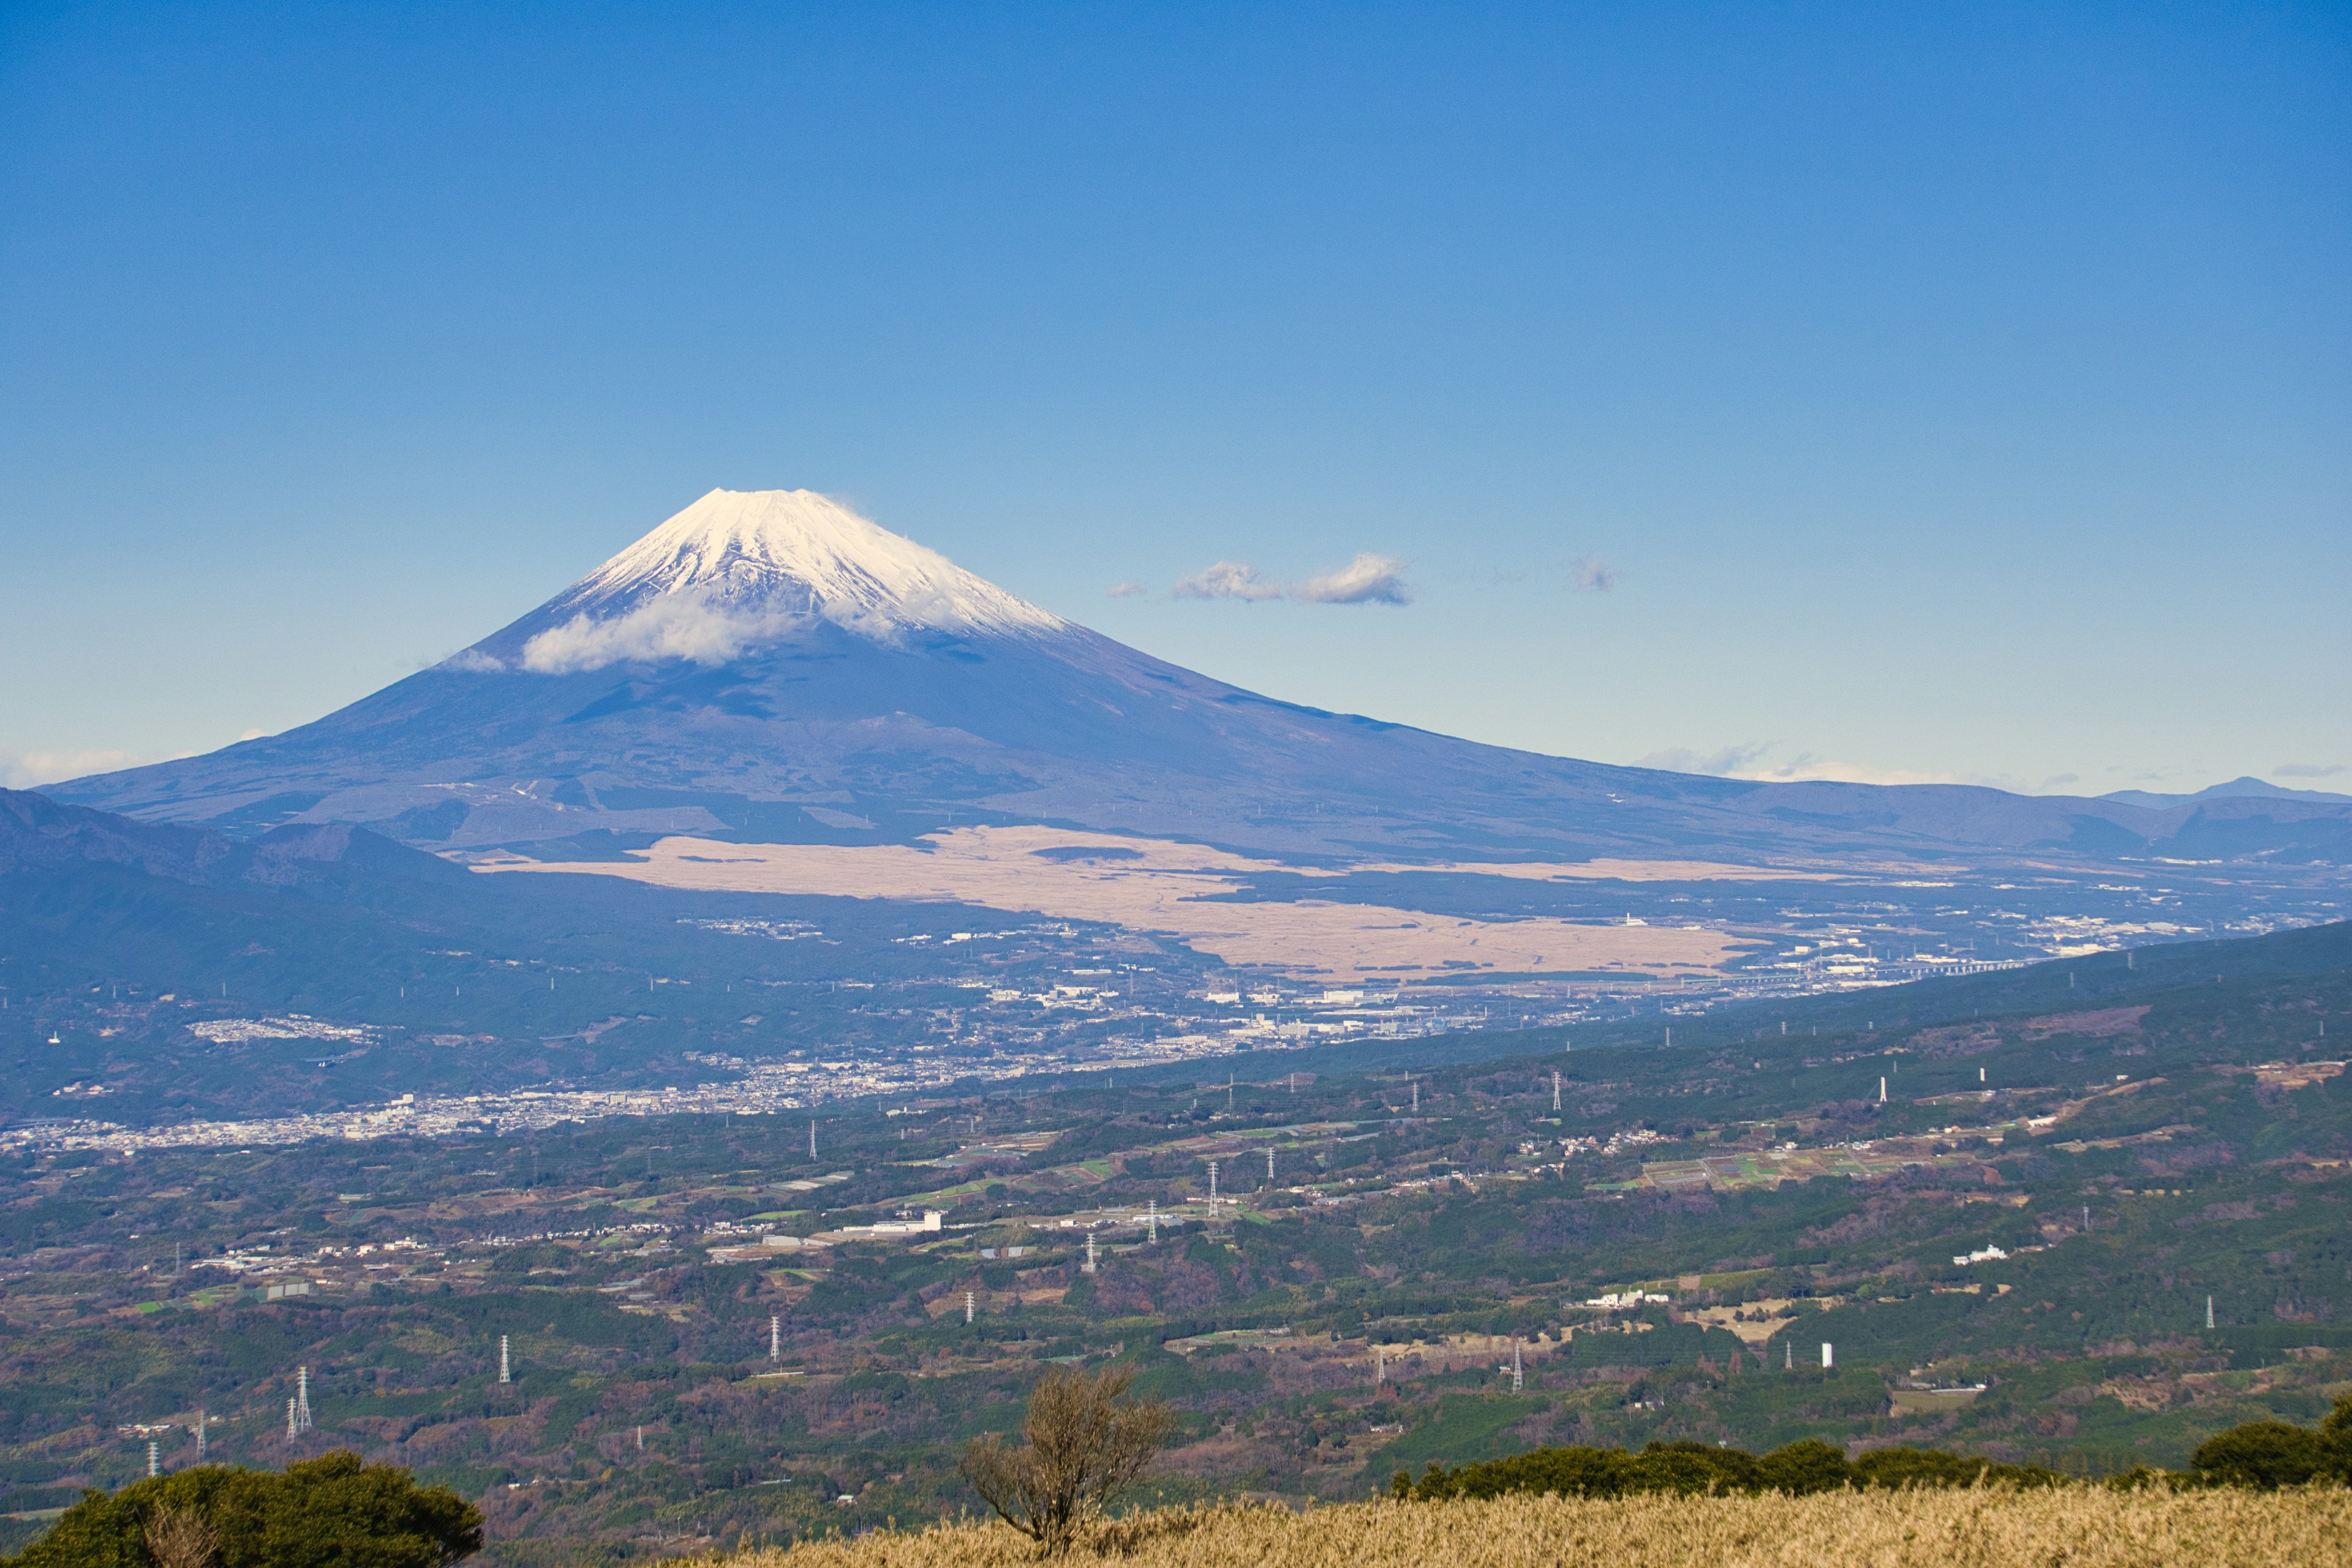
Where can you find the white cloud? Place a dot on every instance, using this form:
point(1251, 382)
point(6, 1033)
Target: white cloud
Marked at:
point(2307, 770)
point(471, 661)
point(1367, 580)
point(675, 625)
point(1129, 589)
point(1808, 768)
point(1749, 762)
point(1592, 574)
point(1226, 579)
point(1724, 764)
point(30, 769)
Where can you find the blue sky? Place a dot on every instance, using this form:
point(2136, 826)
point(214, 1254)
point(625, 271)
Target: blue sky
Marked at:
point(1887, 392)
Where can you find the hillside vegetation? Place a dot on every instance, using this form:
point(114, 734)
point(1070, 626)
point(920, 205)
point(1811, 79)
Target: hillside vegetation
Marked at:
point(2080, 1526)
point(2096, 1221)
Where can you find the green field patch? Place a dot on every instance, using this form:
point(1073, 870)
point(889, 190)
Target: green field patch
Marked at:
point(1229, 1340)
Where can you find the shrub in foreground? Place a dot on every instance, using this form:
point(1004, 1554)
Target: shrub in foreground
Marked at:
point(330, 1512)
point(1799, 1468)
point(2270, 1453)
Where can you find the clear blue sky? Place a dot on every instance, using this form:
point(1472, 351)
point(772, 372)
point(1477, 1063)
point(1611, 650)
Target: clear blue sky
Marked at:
point(1954, 392)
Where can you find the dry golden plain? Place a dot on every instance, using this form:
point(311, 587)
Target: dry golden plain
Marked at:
point(2077, 1526)
point(1160, 887)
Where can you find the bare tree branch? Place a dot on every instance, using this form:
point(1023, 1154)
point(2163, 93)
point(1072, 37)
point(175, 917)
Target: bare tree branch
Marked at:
point(178, 1537)
point(1082, 1447)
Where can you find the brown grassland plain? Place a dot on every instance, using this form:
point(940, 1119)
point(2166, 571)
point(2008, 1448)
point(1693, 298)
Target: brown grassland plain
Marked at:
point(1155, 886)
point(2058, 1527)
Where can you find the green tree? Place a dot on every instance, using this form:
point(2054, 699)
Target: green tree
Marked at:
point(2263, 1454)
point(335, 1511)
point(2269, 1454)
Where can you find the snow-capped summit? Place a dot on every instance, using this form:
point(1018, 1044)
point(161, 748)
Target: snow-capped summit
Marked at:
point(740, 569)
point(848, 569)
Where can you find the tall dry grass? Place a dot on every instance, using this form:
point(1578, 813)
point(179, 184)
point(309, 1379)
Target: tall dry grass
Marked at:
point(2061, 1527)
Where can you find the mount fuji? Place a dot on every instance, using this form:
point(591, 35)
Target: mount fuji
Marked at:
point(770, 665)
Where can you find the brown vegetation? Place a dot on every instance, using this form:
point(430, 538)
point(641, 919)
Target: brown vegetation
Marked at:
point(1159, 886)
point(2079, 1526)
point(180, 1537)
point(1083, 1445)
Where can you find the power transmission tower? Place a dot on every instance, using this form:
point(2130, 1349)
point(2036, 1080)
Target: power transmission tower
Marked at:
point(506, 1367)
point(301, 1399)
point(775, 1336)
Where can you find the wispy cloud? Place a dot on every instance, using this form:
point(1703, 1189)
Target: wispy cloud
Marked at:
point(1129, 589)
point(1226, 579)
point(30, 769)
point(2307, 770)
point(675, 625)
point(1724, 764)
point(1751, 761)
point(1369, 579)
point(1808, 768)
point(1592, 574)
point(471, 661)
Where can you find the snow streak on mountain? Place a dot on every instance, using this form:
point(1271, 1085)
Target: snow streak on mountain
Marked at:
point(737, 570)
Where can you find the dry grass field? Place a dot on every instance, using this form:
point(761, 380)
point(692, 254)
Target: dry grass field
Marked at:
point(2065, 1527)
point(1161, 886)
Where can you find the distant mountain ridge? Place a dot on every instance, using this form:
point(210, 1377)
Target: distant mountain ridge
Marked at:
point(41, 835)
point(2241, 788)
point(770, 665)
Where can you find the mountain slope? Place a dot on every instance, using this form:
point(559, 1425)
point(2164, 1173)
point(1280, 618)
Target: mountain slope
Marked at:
point(769, 665)
point(2232, 789)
